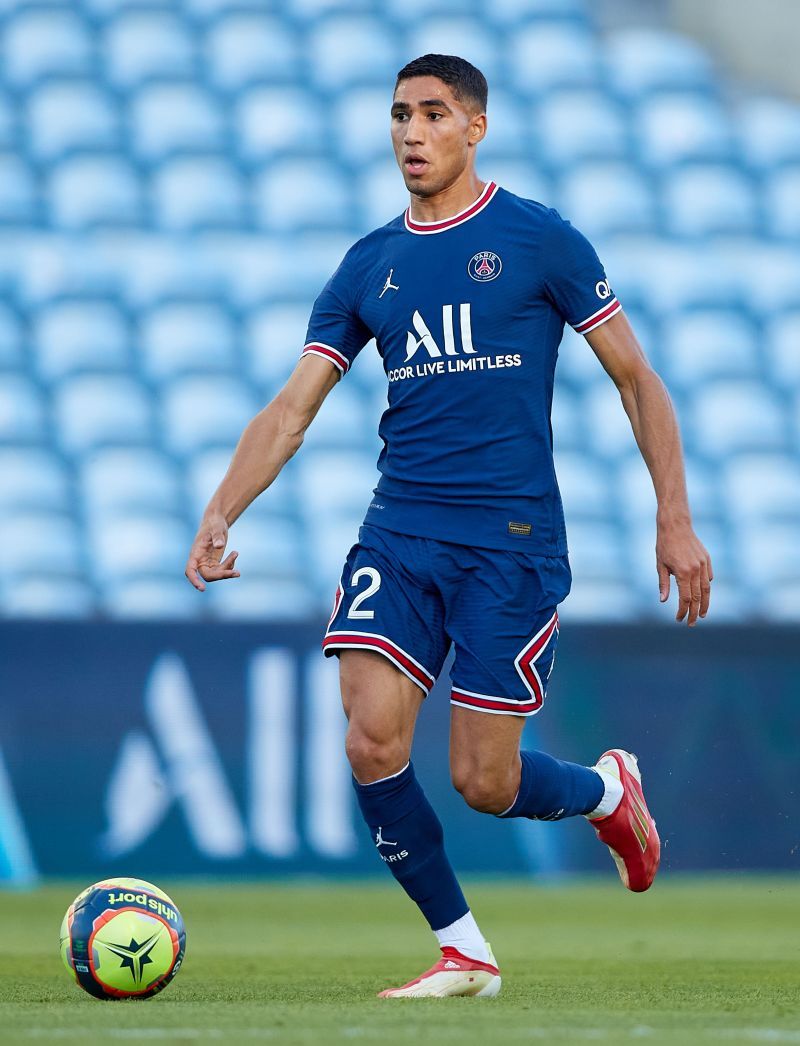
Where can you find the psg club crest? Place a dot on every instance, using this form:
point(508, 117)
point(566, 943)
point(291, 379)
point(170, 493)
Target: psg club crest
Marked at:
point(484, 266)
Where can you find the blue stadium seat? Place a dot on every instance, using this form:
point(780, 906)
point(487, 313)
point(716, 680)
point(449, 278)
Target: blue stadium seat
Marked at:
point(124, 546)
point(782, 341)
point(269, 546)
point(567, 420)
point(11, 337)
point(593, 600)
point(206, 11)
point(244, 49)
point(153, 599)
point(577, 365)
point(296, 195)
point(66, 115)
point(708, 343)
point(381, 194)
point(147, 45)
point(733, 416)
point(43, 596)
point(71, 336)
point(363, 120)
point(199, 193)
point(45, 41)
point(782, 202)
point(44, 541)
point(184, 337)
point(335, 484)
point(672, 128)
point(260, 599)
point(90, 191)
point(763, 488)
point(769, 272)
point(604, 198)
point(709, 199)
point(352, 49)
point(203, 412)
point(170, 119)
point(518, 176)
point(596, 550)
point(407, 10)
point(768, 553)
point(581, 125)
point(17, 192)
point(93, 411)
point(22, 414)
point(510, 131)
point(513, 12)
point(342, 421)
point(546, 55)
point(584, 482)
point(782, 601)
point(274, 338)
point(606, 421)
point(8, 123)
point(31, 478)
point(640, 61)
point(768, 132)
point(123, 478)
point(470, 37)
point(271, 122)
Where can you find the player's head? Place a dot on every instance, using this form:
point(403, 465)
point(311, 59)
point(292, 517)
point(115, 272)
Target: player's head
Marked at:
point(438, 117)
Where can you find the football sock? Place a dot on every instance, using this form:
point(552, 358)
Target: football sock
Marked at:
point(409, 837)
point(464, 936)
point(550, 789)
point(612, 796)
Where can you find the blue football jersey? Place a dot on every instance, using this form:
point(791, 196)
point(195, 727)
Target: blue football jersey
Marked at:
point(467, 315)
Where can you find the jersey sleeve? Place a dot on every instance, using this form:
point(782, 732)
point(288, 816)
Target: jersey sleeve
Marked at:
point(575, 279)
point(335, 330)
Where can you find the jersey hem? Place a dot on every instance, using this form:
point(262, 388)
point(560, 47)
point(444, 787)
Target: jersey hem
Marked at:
point(597, 319)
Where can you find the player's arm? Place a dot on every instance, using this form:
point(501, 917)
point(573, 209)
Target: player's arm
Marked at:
point(267, 443)
point(678, 549)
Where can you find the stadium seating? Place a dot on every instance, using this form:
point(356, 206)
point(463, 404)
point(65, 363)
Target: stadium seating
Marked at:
point(178, 181)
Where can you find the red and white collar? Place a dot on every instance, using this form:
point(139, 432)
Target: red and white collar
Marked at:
point(426, 228)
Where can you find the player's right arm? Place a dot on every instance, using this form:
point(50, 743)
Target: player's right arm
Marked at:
point(272, 437)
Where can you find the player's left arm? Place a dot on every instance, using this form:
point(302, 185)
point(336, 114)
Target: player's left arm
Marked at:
point(647, 403)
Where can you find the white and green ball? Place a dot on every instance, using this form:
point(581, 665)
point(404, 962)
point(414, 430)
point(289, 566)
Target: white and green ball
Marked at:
point(123, 939)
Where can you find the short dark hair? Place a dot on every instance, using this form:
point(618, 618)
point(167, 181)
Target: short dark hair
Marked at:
point(465, 81)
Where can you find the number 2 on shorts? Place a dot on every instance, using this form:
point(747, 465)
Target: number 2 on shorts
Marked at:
point(370, 590)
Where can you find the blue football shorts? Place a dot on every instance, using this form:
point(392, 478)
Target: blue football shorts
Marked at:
point(408, 598)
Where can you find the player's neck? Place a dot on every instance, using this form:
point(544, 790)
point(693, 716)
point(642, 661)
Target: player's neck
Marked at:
point(452, 200)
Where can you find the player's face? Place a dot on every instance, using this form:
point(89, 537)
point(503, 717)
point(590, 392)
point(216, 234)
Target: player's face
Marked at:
point(433, 134)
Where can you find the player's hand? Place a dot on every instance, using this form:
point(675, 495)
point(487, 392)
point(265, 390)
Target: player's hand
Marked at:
point(205, 558)
point(681, 553)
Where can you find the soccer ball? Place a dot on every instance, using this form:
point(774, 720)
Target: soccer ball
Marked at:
point(123, 939)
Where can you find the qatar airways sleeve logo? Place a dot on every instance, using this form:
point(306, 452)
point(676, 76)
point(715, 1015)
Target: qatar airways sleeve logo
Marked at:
point(424, 336)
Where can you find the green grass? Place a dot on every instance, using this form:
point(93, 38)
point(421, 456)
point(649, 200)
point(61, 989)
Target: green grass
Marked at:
point(693, 961)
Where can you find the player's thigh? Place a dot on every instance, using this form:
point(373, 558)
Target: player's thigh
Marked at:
point(484, 756)
point(504, 624)
point(380, 702)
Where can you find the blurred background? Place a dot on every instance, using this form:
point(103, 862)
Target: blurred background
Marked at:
point(177, 182)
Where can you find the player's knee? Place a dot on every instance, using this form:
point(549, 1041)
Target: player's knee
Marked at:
point(485, 791)
point(372, 758)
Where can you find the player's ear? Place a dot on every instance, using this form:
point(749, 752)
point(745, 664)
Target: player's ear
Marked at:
point(477, 129)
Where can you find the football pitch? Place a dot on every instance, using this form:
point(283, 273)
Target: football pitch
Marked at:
point(693, 961)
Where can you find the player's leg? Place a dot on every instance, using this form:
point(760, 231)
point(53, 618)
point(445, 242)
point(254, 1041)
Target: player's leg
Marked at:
point(391, 643)
point(505, 630)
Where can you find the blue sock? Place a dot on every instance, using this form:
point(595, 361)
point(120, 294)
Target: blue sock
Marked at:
point(550, 789)
point(409, 838)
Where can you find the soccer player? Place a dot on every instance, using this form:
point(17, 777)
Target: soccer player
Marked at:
point(466, 295)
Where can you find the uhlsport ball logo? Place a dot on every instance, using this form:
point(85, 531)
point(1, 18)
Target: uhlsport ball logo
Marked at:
point(123, 939)
point(484, 266)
